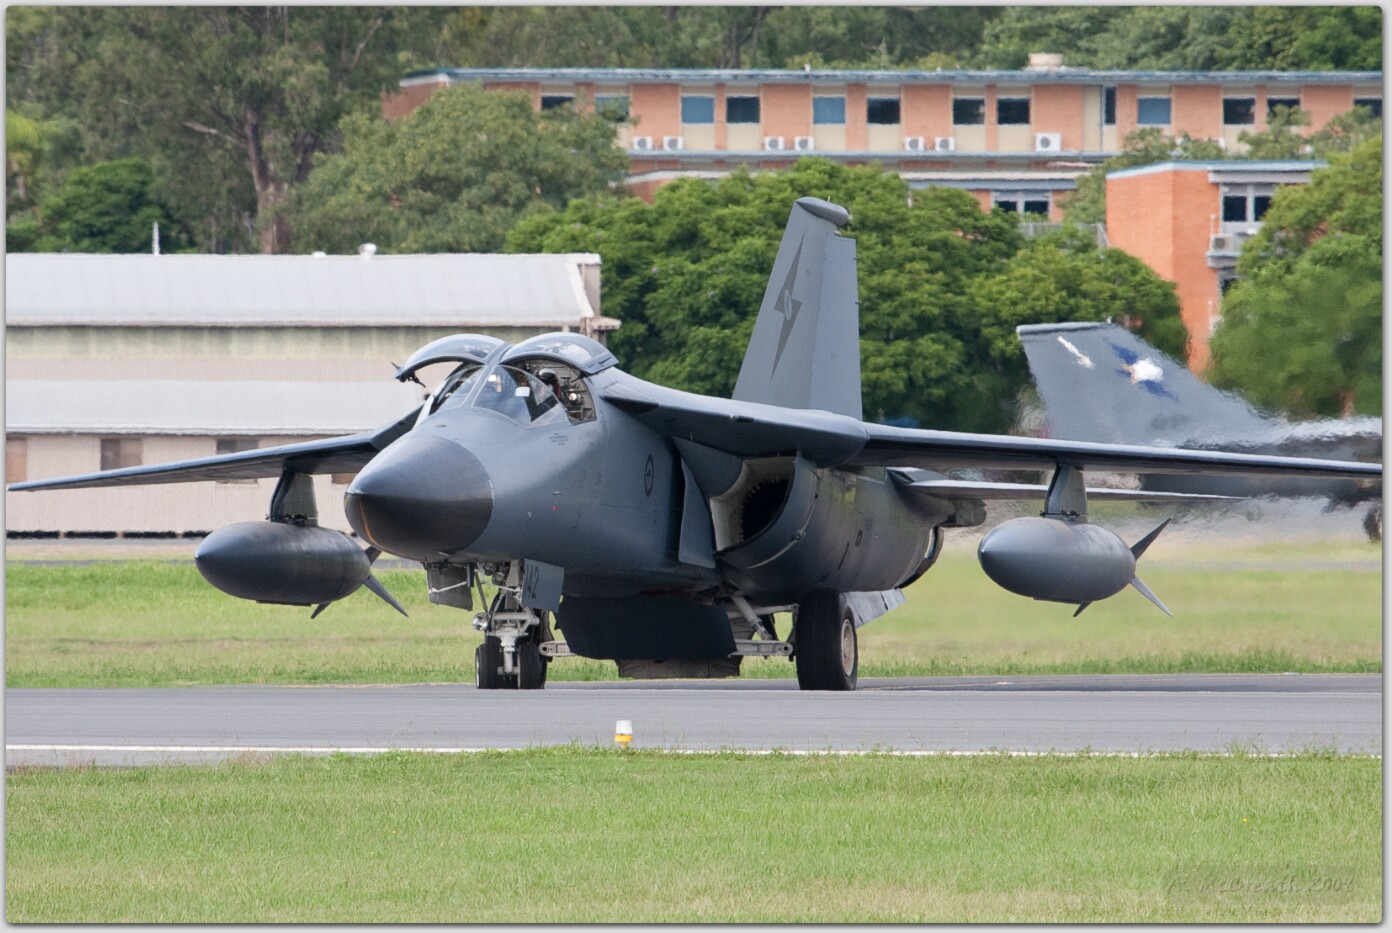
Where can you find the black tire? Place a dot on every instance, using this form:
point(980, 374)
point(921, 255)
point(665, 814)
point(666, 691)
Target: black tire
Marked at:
point(488, 666)
point(1372, 523)
point(826, 649)
point(531, 666)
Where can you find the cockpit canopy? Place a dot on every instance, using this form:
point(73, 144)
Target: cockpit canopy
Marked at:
point(587, 355)
point(456, 348)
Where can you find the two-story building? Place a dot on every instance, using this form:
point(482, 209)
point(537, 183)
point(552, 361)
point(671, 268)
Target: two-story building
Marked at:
point(1014, 139)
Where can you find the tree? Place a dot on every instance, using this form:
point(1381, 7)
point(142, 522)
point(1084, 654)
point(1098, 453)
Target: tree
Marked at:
point(454, 175)
point(229, 105)
point(1302, 330)
point(1145, 146)
point(1281, 139)
point(686, 275)
point(107, 208)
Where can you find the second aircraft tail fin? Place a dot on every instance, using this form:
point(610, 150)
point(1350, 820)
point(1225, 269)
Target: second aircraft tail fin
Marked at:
point(805, 349)
point(1100, 382)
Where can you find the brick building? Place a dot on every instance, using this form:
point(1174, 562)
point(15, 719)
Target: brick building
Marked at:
point(1018, 139)
point(1188, 221)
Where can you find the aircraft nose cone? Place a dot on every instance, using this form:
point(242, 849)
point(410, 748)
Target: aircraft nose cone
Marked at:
point(421, 496)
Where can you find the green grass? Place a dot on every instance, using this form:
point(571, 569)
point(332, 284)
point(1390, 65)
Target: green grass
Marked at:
point(574, 835)
point(1237, 609)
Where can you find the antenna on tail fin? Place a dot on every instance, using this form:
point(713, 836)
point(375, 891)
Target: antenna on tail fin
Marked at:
point(805, 349)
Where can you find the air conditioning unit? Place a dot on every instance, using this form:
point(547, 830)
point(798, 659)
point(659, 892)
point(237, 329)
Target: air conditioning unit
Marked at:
point(643, 143)
point(944, 144)
point(804, 143)
point(1048, 142)
point(913, 144)
point(773, 144)
point(672, 142)
point(1220, 243)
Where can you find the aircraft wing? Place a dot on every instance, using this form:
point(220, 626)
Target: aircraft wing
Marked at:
point(907, 447)
point(330, 455)
point(752, 429)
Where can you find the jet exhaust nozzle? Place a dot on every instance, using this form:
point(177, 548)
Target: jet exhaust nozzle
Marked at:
point(276, 562)
point(1067, 562)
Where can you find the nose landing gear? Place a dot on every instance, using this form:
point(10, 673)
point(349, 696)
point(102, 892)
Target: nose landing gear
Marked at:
point(510, 657)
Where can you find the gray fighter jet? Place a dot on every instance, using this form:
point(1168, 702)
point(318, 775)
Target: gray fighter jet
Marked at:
point(1100, 382)
point(665, 530)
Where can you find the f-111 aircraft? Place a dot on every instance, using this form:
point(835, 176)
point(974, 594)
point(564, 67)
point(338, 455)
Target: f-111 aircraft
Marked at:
point(1101, 382)
point(665, 530)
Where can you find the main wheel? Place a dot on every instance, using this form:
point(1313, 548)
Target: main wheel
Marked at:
point(488, 666)
point(1372, 522)
point(531, 666)
point(824, 636)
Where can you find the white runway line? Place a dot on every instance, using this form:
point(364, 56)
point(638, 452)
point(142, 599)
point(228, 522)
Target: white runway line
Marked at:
point(462, 750)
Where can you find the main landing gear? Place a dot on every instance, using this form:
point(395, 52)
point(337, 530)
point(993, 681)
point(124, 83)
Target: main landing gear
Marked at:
point(824, 643)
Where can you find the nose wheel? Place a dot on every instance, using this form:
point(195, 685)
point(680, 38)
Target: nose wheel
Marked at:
point(510, 657)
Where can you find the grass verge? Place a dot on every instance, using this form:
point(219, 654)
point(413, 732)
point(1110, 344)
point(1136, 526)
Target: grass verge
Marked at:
point(575, 835)
point(1249, 609)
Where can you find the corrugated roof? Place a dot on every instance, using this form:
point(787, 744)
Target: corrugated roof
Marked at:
point(451, 290)
point(204, 408)
point(828, 76)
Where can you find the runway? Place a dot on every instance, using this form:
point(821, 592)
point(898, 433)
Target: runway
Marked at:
point(1126, 714)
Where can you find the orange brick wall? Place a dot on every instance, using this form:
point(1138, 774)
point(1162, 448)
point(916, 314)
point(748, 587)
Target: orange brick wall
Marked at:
point(1197, 111)
point(1125, 111)
point(1163, 219)
point(399, 103)
point(857, 137)
point(786, 110)
point(926, 110)
point(658, 107)
point(1056, 109)
point(1322, 102)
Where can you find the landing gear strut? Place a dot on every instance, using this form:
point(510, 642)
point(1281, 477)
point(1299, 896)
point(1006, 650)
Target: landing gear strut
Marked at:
point(510, 657)
point(825, 645)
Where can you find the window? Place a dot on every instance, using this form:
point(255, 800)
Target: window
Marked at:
point(1272, 103)
point(1260, 204)
point(741, 110)
point(1239, 111)
point(120, 452)
point(1246, 204)
point(829, 111)
point(16, 459)
point(968, 111)
point(1371, 104)
point(1109, 106)
point(697, 108)
point(1019, 202)
point(235, 445)
point(552, 101)
point(1012, 111)
point(1235, 207)
point(882, 110)
point(614, 106)
point(1153, 111)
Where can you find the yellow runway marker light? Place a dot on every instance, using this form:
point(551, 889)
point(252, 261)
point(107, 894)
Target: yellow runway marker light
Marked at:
point(623, 732)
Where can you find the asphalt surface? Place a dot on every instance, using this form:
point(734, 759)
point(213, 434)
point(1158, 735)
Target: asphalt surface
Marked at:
point(1119, 713)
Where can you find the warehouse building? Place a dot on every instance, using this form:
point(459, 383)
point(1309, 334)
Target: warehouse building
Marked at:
point(1016, 139)
point(116, 361)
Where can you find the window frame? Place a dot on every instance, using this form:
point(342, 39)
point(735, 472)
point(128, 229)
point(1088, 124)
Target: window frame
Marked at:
point(884, 102)
point(1371, 103)
point(838, 98)
point(552, 101)
point(743, 98)
point(1000, 116)
point(1153, 100)
point(1273, 102)
point(692, 99)
point(1249, 102)
point(980, 106)
point(1109, 102)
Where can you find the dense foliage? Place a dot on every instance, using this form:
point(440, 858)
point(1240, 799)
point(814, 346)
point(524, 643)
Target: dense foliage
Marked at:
point(1302, 330)
point(942, 285)
point(453, 176)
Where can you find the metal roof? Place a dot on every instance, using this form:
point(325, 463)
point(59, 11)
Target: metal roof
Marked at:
point(1245, 166)
point(205, 408)
point(937, 76)
point(447, 290)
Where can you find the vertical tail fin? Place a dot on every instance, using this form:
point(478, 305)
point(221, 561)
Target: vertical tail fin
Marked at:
point(1100, 382)
point(805, 349)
